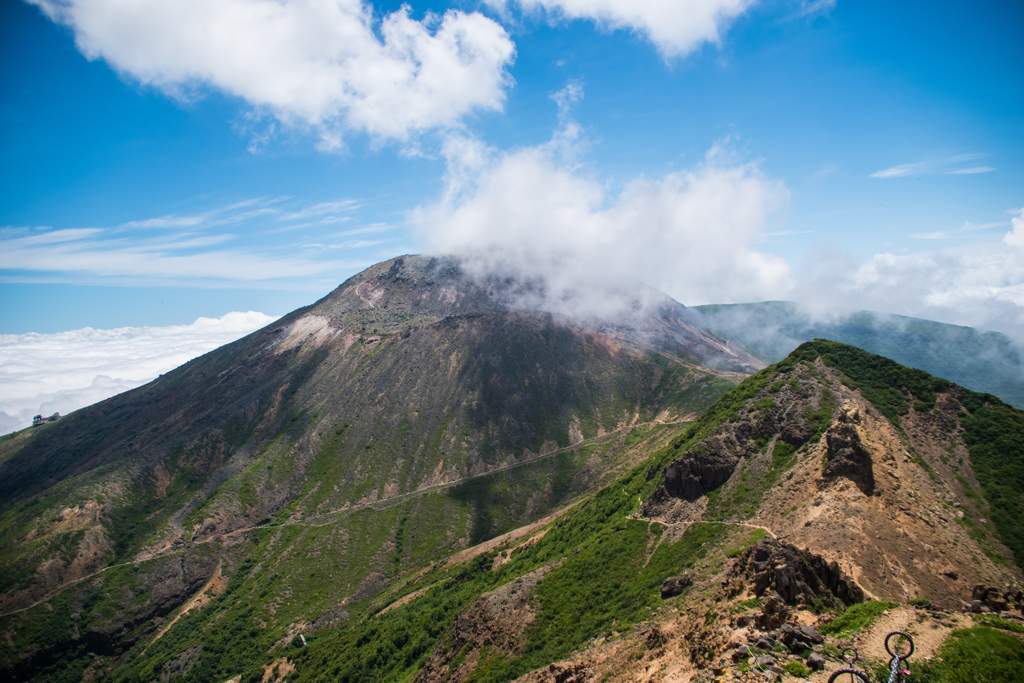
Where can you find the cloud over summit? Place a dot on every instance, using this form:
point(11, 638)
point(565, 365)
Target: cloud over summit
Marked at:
point(532, 213)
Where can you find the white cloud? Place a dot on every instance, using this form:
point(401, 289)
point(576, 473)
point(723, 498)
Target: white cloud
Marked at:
point(809, 7)
point(48, 373)
point(971, 171)
point(690, 233)
point(979, 285)
point(968, 228)
point(143, 251)
point(327, 64)
point(676, 27)
point(947, 166)
point(114, 257)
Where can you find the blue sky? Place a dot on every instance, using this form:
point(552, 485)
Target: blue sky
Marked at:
point(163, 161)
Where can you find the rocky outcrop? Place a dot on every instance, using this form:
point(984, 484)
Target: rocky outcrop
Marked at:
point(986, 598)
point(496, 622)
point(705, 468)
point(792, 575)
point(675, 585)
point(845, 453)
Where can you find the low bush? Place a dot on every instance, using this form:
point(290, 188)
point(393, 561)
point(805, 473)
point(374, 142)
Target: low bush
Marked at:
point(856, 617)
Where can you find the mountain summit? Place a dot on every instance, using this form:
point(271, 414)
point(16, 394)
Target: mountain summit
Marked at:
point(416, 290)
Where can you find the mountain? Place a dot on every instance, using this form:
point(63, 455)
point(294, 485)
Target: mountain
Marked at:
point(765, 527)
point(989, 362)
point(410, 414)
point(755, 537)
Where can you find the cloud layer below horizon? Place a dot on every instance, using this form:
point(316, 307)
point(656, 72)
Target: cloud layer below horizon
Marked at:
point(48, 373)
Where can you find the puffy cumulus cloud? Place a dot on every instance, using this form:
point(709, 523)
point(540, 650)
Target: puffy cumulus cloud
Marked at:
point(676, 27)
point(48, 373)
point(979, 285)
point(693, 233)
point(328, 64)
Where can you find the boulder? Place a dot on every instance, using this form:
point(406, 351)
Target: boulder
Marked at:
point(810, 634)
point(674, 585)
point(816, 662)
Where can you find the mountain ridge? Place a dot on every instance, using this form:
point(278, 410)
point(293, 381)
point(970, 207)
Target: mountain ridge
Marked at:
point(379, 492)
point(984, 361)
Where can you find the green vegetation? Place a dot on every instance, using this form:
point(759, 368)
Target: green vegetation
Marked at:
point(996, 622)
point(821, 417)
point(883, 382)
point(601, 585)
point(856, 617)
point(797, 668)
point(742, 499)
point(606, 588)
point(968, 656)
point(983, 361)
point(747, 543)
point(994, 433)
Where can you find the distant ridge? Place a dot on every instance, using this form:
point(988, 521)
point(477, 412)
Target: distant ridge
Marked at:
point(989, 362)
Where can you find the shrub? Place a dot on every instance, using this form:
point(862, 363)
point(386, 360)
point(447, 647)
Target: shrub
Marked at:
point(857, 617)
point(797, 668)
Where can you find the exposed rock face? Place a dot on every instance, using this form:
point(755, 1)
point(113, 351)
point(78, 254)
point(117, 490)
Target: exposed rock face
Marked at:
point(710, 463)
point(705, 468)
point(795, 576)
point(674, 585)
point(847, 456)
point(496, 621)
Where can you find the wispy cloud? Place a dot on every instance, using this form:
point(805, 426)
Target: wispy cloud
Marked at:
point(967, 228)
point(330, 209)
point(980, 284)
point(809, 7)
point(971, 171)
point(367, 229)
point(947, 166)
point(534, 214)
point(190, 248)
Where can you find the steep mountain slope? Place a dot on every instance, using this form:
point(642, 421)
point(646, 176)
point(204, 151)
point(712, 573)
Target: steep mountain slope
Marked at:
point(828, 478)
point(412, 412)
point(786, 455)
point(983, 361)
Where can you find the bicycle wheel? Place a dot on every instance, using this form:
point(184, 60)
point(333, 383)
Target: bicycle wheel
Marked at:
point(853, 674)
point(898, 638)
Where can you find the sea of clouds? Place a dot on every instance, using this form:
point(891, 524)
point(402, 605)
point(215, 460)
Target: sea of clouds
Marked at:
point(48, 373)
